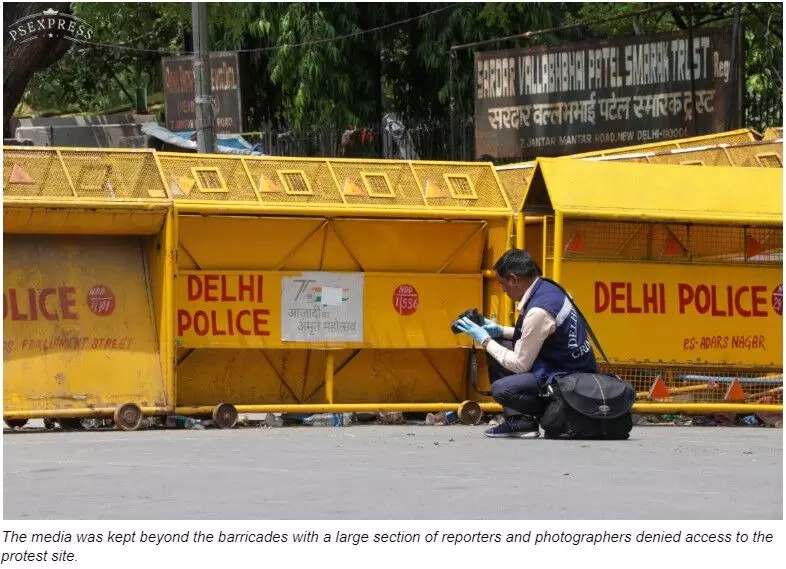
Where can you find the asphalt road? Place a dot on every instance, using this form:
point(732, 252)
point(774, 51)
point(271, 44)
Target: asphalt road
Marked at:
point(392, 472)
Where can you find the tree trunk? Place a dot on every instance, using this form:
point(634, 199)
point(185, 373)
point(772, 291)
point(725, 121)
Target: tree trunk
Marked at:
point(22, 59)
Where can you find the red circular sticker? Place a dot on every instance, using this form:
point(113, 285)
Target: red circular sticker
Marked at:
point(777, 299)
point(405, 300)
point(101, 300)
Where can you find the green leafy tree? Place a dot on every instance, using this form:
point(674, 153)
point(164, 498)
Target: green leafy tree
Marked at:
point(306, 65)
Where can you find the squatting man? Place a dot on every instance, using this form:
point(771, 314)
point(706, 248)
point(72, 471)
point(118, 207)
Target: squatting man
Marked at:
point(549, 340)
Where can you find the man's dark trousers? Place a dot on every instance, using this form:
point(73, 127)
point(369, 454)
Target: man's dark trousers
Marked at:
point(518, 393)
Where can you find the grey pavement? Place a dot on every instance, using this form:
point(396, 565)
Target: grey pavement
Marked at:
point(392, 472)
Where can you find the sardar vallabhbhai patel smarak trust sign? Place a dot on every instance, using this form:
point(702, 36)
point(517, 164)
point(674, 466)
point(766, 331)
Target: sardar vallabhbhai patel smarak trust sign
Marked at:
point(225, 91)
point(548, 101)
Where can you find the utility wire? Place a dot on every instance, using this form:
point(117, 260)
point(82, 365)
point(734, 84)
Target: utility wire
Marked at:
point(534, 33)
point(273, 47)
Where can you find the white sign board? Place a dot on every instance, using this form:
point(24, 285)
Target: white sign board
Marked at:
point(322, 307)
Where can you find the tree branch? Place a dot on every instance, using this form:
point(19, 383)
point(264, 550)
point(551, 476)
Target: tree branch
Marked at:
point(675, 13)
point(22, 60)
point(773, 30)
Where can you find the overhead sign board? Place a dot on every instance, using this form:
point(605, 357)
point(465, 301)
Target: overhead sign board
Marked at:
point(552, 101)
point(225, 91)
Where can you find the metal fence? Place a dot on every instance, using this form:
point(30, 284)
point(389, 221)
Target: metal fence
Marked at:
point(763, 110)
point(418, 141)
point(430, 141)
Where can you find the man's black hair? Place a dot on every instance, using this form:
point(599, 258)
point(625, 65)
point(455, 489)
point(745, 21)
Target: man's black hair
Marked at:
point(517, 262)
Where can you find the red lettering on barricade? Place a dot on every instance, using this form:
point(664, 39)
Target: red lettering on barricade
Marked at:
point(183, 321)
point(223, 322)
point(650, 300)
point(259, 322)
point(620, 297)
point(759, 299)
point(243, 288)
point(243, 331)
point(66, 302)
point(194, 287)
point(69, 343)
point(216, 331)
point(220, 288)
point(210, 287)
point(715, 300)
point(35, 304)
point(201, 315)
point(742, 312)
point(42, 303)
point(15, 314)
point(685, 293)
point(617, 296)
point(703, 299)
point(629, 293)
point(601, 291)
point(224, 296)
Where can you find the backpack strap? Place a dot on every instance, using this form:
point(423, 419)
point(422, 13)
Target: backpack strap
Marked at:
point(586, 322)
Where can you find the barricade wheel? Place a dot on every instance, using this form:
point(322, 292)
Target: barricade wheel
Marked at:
point(15, 423)
point(469, 413)
point(128, 417)
point(224, 416)
point(49, 424)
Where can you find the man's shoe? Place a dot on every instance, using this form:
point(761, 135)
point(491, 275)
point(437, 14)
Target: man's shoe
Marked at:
point(514, 429)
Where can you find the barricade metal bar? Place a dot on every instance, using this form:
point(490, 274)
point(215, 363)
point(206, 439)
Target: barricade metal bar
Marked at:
point(251, 180)
point(88, 149)
point(706, 408)
point(420, 184)
point(744, 134)
point(558, 228)
point(765, 219)
point(335, 181)
point(161, 176)
point(167, 340)
point(504, 193)
point(545, 249)
point(35, 202)
point(520, 224)
point(644, 408)
point(340, 408)
point(67, 174)
point(329, 368)
point(215, 208)
point(82, 413)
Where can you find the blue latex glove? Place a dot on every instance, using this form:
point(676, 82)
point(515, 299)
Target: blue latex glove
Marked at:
point(494, 329)
point(471, 329)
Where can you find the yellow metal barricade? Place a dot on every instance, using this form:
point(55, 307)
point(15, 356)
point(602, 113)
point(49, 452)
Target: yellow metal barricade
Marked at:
point(678, 271)
point(86, 285)
point(742, 135)
point(734, 148)
point(316, 285)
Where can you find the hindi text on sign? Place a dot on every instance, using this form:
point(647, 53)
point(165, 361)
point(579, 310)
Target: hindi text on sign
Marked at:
point(559, 94)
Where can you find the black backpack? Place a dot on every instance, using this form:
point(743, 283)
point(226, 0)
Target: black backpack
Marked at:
point(588, 405)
